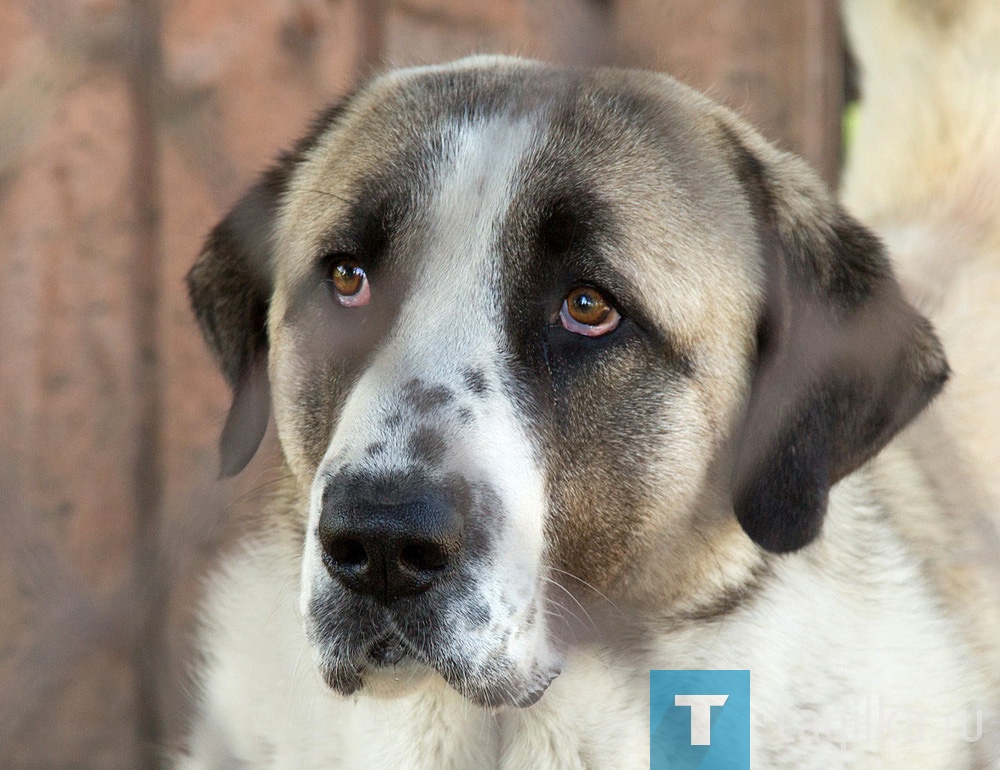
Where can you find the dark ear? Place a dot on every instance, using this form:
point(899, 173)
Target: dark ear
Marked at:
point(230, 288)
point(844, 362)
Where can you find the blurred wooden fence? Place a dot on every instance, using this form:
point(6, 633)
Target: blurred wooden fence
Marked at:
point(126, 128)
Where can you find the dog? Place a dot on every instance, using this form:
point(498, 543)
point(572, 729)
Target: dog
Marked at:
point(575, 376)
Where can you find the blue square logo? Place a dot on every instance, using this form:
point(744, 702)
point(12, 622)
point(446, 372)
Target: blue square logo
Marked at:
point(699, 720)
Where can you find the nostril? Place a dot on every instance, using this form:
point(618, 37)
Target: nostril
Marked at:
point(424, 557)
point(347, 552)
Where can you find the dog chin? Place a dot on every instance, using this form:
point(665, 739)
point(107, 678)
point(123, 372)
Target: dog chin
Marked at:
point(409, 676)
point(397, 681)
point(520, 693)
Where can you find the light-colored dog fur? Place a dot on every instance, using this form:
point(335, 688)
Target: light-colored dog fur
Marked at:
point(611, 540)
point(924, 171)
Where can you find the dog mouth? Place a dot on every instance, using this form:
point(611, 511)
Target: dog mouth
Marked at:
point(496, 685)
point(387, 651)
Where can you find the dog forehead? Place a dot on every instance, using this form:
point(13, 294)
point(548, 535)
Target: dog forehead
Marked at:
point(445, 317)
point(646, 145)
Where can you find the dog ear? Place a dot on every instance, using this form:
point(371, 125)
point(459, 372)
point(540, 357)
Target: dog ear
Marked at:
point(844, 362)
point(230, 289)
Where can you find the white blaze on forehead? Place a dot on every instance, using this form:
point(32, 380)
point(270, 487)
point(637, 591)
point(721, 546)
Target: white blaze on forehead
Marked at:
point(455, 285)
point(475, 189)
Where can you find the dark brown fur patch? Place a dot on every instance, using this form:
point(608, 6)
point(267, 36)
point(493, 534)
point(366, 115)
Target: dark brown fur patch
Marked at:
point(475, 380)
point(423, 398)
point(427, 446)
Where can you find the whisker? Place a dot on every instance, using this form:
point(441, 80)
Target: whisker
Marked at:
point(590, 586)
point(570, 595)
point(562, 613)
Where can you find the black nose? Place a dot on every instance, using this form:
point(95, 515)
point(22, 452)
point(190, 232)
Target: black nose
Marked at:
point(389, 550)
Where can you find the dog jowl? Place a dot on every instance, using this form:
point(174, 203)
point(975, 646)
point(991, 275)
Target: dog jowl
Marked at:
point(533, 336)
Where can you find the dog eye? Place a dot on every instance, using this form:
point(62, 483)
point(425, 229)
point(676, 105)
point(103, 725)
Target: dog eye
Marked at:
point(349, 283)
point(586, 311)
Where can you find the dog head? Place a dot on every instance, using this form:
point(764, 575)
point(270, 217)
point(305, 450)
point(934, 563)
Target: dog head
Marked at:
point(531, 333)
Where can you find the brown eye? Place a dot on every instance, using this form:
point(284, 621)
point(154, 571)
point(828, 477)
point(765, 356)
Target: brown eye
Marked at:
point(586, 311)
point(349, 283)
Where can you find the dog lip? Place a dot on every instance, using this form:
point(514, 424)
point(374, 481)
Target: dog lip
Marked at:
point(531, 696)
point(502, 695)
point(347, 677)
point(345, 680)
point(388, 650)
point(386, 646)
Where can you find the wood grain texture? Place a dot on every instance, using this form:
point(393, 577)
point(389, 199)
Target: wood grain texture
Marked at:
point(778, 63)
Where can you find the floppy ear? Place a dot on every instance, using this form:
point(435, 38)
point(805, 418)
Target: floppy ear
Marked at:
point(230, 289)
point(844, 362)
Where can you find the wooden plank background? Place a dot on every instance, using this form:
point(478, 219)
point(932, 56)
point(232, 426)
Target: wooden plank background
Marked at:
point(127, 127)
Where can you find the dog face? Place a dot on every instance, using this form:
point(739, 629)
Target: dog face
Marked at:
point(532, 334)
